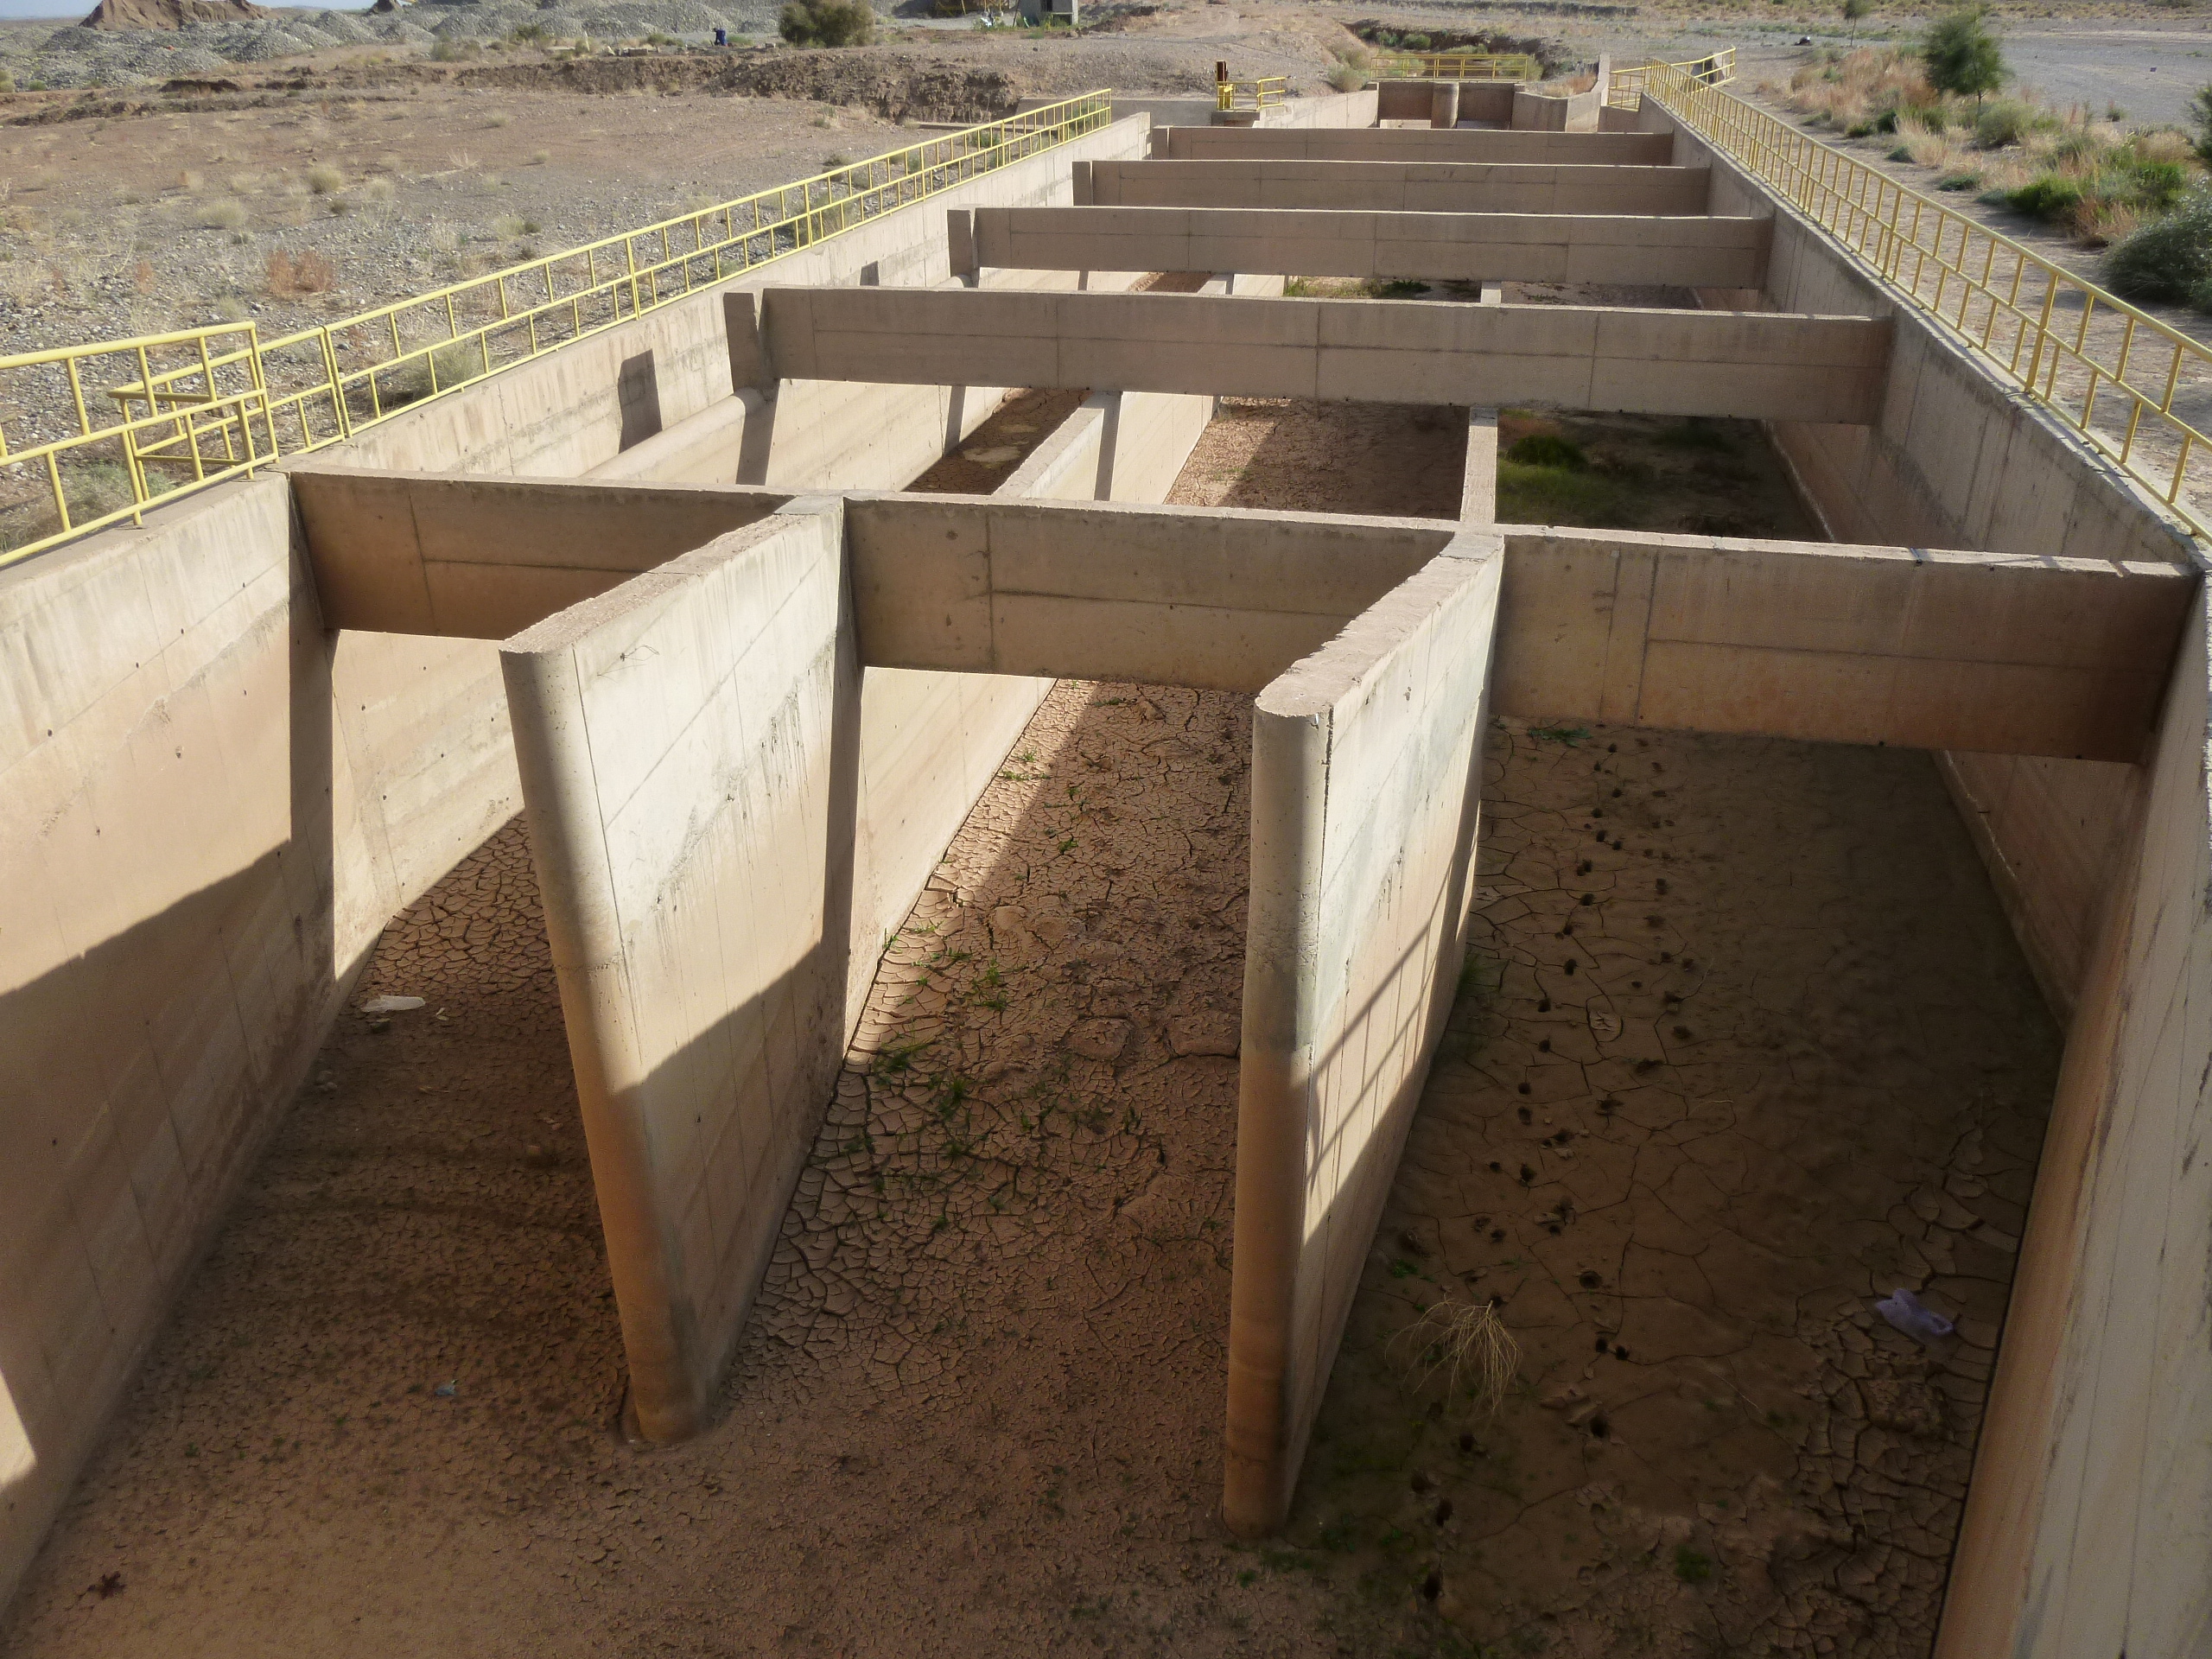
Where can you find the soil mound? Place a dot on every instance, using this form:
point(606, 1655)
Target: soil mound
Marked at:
point(111, 14)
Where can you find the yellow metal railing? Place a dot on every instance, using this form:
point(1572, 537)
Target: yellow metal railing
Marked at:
point(2137, 390)
point(1459, 66)
point(102, 430)
point(1628, 84)
point(1261, 95)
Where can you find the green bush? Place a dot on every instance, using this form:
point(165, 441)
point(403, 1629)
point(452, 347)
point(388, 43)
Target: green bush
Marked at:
point(2168, 259)
point(1558, 495)
point(1962, 55)
point(2200, 117)
point(1548, 449)
point(2048, 196)
point(2007, 121)
point(827, 22)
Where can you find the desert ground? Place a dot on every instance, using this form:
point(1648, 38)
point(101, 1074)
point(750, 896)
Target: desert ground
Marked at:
point(1745, 1044)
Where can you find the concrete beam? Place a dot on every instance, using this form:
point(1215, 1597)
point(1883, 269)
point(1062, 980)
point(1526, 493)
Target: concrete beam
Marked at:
point(1412, 144)
point(1403, 187)
point(480, 558)
point(1200, 596)
point(1758, 366)
point(1984, 652)
point(1689, 252)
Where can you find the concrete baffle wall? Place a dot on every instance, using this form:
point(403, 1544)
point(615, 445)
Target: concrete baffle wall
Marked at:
point(1823, 368)
point(1366, 782)
point(1680, 252)
point(688, 746)
point(1400, 187)
point(1581, 148)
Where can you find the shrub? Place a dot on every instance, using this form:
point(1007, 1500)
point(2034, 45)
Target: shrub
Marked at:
point(225, 215)
point(7, 81)
point(2200, 117)
point(2008, 121)
point(1346, 78)
point(827, 22)
point(1855, 9)
point(2168, 259)
point(1548, 449)
point(1963, 56)
point(323, 178)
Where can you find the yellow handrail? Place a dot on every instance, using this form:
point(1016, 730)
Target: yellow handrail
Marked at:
point(1718, 70)
point(1264, 93)
point(2113, 374)
point(174, 394)
point(1459, 66)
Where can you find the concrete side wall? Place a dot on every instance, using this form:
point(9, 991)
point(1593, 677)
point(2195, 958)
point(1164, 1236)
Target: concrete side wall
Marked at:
point(1403, 187)
point(692, 831)
point(1270, 144)
point(2089, 1520)
point(1366, 780)
point(1655, 362)
point(1474, 247)
point(1175, 596)
point(1844, 644)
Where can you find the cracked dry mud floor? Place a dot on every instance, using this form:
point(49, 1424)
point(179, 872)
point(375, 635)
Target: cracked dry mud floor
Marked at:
point(977, 1411)
point(1744, 1044)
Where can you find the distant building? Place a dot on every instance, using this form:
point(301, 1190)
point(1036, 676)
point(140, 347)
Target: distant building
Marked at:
point(1049, 11)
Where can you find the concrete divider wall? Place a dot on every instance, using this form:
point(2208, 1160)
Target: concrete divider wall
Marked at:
point(692, 828)
point(1403, 187)
point(1414, 144)
point(1488, 101)
point(170, 977)
point(1683, 252)
point(2084, 1529)
point(1366, 787)
point(1838, 645)
point(1402, 351)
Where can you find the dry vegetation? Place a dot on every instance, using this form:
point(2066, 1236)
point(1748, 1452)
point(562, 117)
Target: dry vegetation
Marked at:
point(2086, 172)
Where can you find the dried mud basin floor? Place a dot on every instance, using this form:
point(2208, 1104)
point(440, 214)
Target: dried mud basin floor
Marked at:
point(1744, 1044)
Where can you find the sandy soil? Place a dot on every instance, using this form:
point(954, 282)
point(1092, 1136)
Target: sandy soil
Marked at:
point(994, 449)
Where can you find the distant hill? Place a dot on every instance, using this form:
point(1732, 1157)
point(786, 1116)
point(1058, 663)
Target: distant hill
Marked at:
point(168, 14)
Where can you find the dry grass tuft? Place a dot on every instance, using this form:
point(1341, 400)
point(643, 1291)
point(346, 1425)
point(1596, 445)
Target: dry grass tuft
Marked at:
point(1465, 1347)
point(223, 215)
point(323, 178)
point(292, 276)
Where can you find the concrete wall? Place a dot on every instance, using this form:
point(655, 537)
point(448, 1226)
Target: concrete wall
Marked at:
point(1655, 362)
point(1400, 187)
point(1472, 247)
point(1489, 102)
point(483, 558)
point(225, 805)
point(1173, 595)
point(1838, 645)
point(1558, 146)
point(2089, 1520)
point(692, 830)
point(1564, 113)
point(1366, 762)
